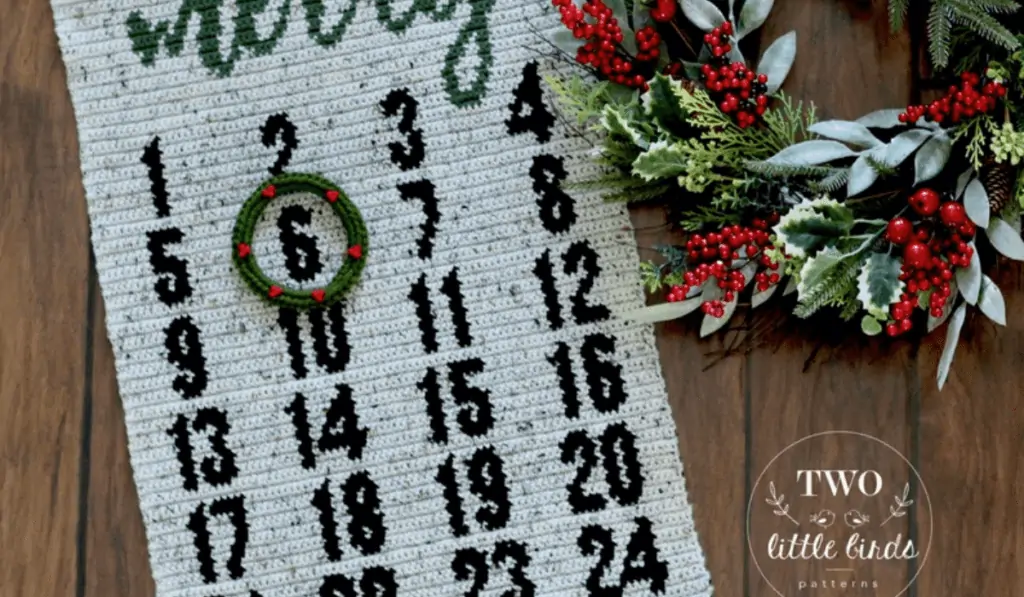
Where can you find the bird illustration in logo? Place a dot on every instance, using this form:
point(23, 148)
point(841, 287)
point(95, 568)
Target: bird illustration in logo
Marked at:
point(854, 519)
point(824, 519)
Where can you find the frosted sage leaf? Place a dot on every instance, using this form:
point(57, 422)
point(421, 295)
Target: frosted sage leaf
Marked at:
point(777, 60)
point(703, 14)
point(870, 326)
point(947, 309)
point(882, 119)
point(904, 144)
point(660, 161)
point(664, 311)
point(845, 131)
point(879, 284)
point(619, 12)
point(991, 301)
point(811, 153)
point(761, 297)
point(791, 287)
point(641, 15)
point(932, 158)
point(565, 41)
point(969, 278)
point(1005, 239)
point(748, 272)
point(752, 16)
point(712, 324)
point(862, 176)
point(976, 203)
point(628, 40)
point(735, 54)
point(616, 123)
point(732, 11)
point(952, 338)
point(961, 182)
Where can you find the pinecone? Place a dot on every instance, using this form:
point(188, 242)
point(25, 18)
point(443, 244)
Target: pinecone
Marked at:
point(998, 181)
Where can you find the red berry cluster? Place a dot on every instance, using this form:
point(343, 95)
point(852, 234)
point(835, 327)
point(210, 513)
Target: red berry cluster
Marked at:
point(603, 36)
point(738, 90)
point(930, 253)
point(960, 102)
point(664, 11)
point(711, 255)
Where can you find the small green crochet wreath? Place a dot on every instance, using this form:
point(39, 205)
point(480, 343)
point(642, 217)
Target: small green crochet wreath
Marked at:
point(355, 229)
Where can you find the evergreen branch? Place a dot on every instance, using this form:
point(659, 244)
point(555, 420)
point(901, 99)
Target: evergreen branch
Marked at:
point(939, 34)
point(788, 170)
point(831, 183)
point(833, 291)
point(997, 6)
point(898, 13)
point(972, 15)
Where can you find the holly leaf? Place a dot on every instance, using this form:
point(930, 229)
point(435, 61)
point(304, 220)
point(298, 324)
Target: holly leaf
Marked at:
point(703, 14)
point(817, 269)
point(752, 16)
point(1005, 239)
point(777, 60)
point(956, 323)
point(617, 123)
point(879, 284)
point(932, 157)
point(845, 131)
point(968, 279)
point(811, 153)
point(662, 103)
point(812, 224)
point(976, 203)
point(662, 160)
point(991, 301)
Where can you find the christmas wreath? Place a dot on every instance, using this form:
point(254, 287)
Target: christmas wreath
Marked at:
point(886, 219)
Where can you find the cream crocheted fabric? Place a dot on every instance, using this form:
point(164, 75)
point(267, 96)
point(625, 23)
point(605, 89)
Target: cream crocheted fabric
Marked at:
point(474, 418)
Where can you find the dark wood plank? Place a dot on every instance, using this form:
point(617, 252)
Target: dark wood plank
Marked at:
point(819, 376)
point(116, 562)
point(708, 410)
point(970, 454)
point(44, 265)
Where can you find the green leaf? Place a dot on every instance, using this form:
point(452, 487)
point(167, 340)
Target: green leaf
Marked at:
point(702, 13)
point(904, 144)
point(752, 16)
point(976, 203)
point(811, 153)
point(932, 158)
point(813, 224)
point(879, 284)
point(969, 278)
point(817, 269)
point(1005, 239)
point(617, 123)
point(870, 326)
point(777, 60)
point(862, 176)
point(660, 161)
point(662, 102)
point(991, 301)
point(882, 119)
point(853, 133)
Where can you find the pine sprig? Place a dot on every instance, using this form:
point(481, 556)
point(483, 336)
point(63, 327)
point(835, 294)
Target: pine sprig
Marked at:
point(898, 13)
point(839, 288)
point(975, 14)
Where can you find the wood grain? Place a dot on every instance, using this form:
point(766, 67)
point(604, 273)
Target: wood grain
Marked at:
point(116, 562)
point(817, 376)
point(44, 264)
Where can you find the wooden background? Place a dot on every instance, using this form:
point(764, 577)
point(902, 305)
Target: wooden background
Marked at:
point(69, 518)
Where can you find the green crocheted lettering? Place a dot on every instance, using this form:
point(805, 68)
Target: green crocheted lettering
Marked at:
point(147, 36)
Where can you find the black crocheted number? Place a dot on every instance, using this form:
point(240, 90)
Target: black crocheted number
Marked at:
point(301, 253)
point(621, 459)
point(640, 565)
point(476, 414)
point(451, 287)
point(234, 509)
point(330, 340)
point(340, 430)
point(278, 126)
point(217, 470)
point(172, 285)
point(152, 157)
point(423, 190)
point(375, 582)
point(557, 208)
point(487, 482)
point(185, 351)
point(579, 255)
point(539, 120)
point(605, 385)
point(411, 154)
point(366, 528)
point(472, 565)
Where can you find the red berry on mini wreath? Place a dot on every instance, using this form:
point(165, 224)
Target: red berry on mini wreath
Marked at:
point(899, 231)
point(925, 201)
point(243, 250)
point(275, 291)
point(269, 191)
point(318, 295)
point(331, 195)
point(355, 252)
point(917, 255)
point(952, 214)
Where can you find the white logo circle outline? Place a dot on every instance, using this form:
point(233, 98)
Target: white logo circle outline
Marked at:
point(920, 483)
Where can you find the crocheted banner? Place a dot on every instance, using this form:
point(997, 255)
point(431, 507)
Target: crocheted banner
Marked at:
point(423, 388)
